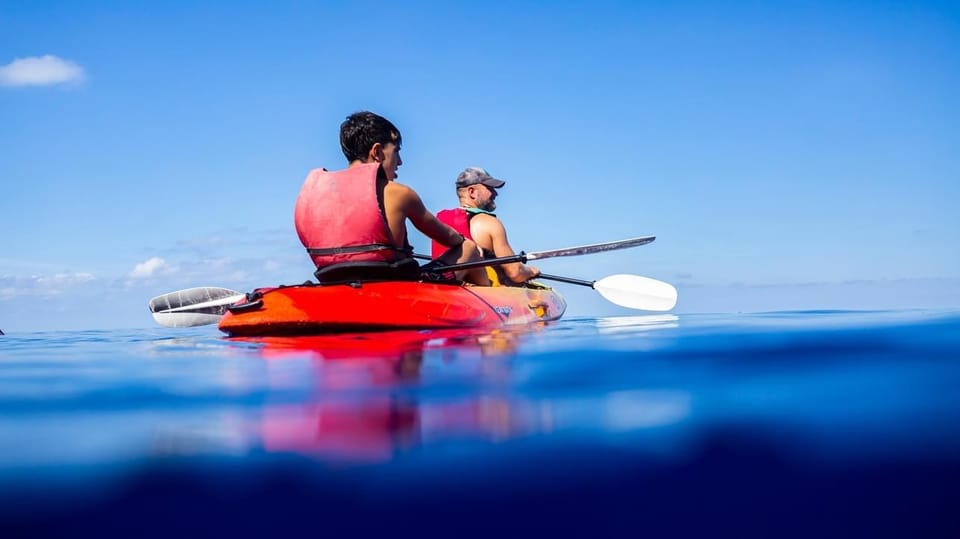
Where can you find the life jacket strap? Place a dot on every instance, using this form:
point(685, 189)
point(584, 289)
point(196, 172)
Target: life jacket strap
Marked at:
point(353, 249)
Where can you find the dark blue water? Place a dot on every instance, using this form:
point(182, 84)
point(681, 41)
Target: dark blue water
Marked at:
point(808, 424)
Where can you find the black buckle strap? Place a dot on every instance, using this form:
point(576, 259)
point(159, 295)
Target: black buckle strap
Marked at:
point(254, 302)
point(371, 247)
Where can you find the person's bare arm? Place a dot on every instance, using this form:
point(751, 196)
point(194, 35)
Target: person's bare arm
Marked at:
point(424, 221)
point(493, 233)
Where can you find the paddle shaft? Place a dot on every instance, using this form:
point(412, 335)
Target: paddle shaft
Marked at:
point(559, 278)
point(563, 279)
point(566, 251)
point(477, 264)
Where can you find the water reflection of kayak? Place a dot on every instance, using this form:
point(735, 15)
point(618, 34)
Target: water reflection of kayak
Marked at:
point(387, 344)
point(389, 305)
point(359, 411)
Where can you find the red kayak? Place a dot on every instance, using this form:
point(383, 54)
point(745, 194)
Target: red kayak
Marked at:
point(377, 306)
point(346, 303)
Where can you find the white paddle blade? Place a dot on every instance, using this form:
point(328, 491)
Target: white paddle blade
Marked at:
point(186, 320)
point(637, 292)
point(193, 306)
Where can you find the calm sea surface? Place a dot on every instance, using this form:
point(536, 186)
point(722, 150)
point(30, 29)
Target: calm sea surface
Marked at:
point(801, 424)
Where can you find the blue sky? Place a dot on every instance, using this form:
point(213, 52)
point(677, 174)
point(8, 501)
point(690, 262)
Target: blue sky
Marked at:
point(789, 155)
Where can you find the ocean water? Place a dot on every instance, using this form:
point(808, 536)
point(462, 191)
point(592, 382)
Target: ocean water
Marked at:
point(790, 424)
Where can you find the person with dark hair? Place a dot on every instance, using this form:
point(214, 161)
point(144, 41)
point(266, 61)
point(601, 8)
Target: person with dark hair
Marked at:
point(353, 221)
point(477, 191)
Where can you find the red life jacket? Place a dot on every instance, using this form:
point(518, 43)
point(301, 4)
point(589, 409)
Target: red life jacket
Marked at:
point(459, 220)
point(339, 218)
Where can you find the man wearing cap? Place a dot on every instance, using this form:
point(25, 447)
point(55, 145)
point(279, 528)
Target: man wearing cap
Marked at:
point(477, 191)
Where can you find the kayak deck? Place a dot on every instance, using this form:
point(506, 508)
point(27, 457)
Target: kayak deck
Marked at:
point(377, 306)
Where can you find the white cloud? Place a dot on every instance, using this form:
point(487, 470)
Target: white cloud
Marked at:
point(40, 71)
point(61, 280)
point(151, 267)
point(43, 285)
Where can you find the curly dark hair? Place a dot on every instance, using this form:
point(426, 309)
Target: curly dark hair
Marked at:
point(361, 130)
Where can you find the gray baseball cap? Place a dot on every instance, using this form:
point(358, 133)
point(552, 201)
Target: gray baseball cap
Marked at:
point(475, 175)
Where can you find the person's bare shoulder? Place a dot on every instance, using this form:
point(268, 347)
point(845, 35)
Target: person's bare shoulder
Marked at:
point(398, 194)
point(402, 198)
point(397, 189)
point(487, 223)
